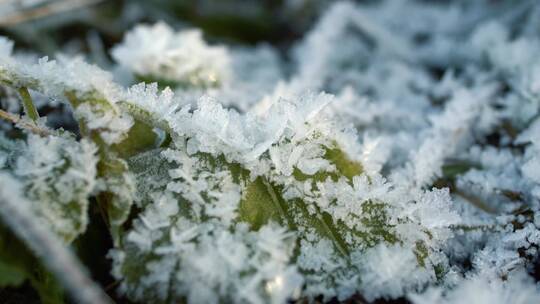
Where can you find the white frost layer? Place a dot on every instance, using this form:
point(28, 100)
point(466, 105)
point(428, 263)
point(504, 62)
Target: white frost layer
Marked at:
point(157, 52)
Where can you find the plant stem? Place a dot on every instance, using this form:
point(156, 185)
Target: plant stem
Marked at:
point(475, 201)
point(28, 105)
point(15, 119)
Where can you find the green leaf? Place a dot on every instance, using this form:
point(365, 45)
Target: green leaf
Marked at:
point(49, 290)
point(140, 138)
point(117, 198)
point(18, 264)
point(344, 165)
point(452, 168)
point(262, 204)
point(11, 275)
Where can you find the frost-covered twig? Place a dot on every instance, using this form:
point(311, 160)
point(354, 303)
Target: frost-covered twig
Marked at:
point(18, 121)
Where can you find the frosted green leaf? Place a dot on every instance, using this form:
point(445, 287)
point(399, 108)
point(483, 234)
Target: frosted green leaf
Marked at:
point(99, 120)
point(59, 175)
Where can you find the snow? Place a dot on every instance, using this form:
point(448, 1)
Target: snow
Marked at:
point(485, 289)
point(390, 271)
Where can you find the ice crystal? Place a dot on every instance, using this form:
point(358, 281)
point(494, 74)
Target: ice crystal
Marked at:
point(58, 174)
point(483, 288)
point(178, 58)
point(287, 167)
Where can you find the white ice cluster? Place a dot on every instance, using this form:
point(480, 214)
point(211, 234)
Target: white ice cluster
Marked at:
point(72, 77)
point(183, 61)
point(181, 58)
point(484, 288)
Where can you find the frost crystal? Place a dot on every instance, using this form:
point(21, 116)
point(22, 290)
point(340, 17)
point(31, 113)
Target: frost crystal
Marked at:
point(288, 167)
point(181, 58)
point(484, 289)
point(58, 174)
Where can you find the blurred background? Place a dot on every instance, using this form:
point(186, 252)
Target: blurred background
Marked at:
point(93, 26)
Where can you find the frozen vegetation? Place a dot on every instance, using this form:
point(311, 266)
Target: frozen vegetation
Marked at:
point(393, 152)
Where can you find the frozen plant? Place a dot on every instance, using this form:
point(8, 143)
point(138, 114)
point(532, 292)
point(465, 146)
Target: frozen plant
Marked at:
point(175, 58)
point(376, 164)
